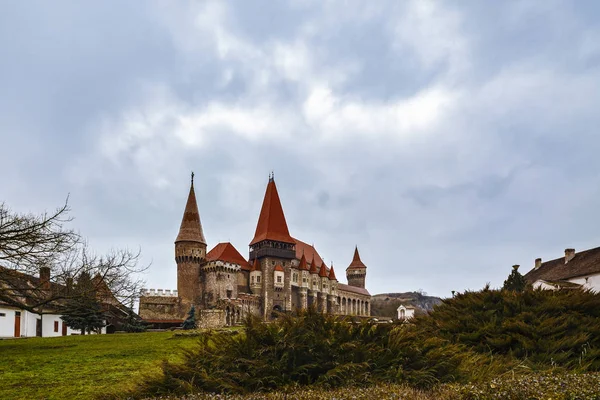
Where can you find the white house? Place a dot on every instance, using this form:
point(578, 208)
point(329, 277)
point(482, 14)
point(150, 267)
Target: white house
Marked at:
point(405, 312)
point(16, 322)
point(573, 271)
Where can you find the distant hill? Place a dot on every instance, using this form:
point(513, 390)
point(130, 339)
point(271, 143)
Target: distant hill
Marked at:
point(385, 304)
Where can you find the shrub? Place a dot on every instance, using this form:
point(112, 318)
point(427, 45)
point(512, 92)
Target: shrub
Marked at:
point(309, 348)
point(546, 328)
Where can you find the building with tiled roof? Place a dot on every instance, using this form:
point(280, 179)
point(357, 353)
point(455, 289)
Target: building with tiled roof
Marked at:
point(276, 277)
point(573, 271)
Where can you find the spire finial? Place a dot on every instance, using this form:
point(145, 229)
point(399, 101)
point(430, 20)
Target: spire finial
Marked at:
point(192, 178)
point(271, 176)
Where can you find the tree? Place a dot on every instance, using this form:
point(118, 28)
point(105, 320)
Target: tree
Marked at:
point(133, 323)
point(84, 311)
point(515, 281)
point(29, 242)
point(190, 321)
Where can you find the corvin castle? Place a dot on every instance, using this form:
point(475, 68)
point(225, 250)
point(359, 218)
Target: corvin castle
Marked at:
point(281, 274)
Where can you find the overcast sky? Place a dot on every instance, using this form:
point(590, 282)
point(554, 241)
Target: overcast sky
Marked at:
point(449, 140)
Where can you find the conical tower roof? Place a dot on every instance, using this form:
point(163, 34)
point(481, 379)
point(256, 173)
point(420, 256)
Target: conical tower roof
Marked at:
point(271, 222)
point(191, 228)
point(303, 266)
point(332, 274)
point(356, 262)
point(313, 266)
point(323, 271)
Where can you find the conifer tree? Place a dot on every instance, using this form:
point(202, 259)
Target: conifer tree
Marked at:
point(190, 321)
point(133, 323)
point(84, 312)
point(515, 281)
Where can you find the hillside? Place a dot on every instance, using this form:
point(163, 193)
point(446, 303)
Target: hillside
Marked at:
point(385, 304)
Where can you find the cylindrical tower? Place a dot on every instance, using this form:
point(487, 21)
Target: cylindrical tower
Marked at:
point(356, 271)
point(190, 252)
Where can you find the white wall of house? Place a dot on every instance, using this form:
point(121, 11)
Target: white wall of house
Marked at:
point(7, 322)
point(540, 284)
point(29, 324)
point(592, 282)
point(405, 312)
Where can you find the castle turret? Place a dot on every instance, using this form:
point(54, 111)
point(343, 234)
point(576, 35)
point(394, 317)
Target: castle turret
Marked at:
point(190, 251)
point(356, 271)
point(255, 277)
point(272, 245)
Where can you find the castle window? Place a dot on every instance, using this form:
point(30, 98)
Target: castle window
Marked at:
point(258, 279)
point(272, 262)
point(229, 293)
point(252, 279)
point(279, 279)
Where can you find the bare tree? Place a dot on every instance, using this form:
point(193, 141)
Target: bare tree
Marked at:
point(42, 244)
point(28, 240)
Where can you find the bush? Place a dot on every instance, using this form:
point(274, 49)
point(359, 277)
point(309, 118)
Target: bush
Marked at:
point(470, 338)
point(546, 328)
point(309, 348)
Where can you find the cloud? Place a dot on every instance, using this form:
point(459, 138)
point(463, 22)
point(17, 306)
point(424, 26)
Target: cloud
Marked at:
point(449, 141)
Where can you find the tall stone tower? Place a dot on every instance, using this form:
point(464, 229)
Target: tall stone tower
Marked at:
point(356, 271)
point(190, 252)
point(273, 247)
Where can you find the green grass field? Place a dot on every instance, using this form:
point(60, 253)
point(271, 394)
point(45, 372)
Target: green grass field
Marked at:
point(80, 367)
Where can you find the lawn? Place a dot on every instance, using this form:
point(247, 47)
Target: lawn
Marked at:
point(79, 367)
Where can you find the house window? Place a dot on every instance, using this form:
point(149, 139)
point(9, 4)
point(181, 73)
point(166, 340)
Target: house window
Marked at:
point(2, 314)
point(279, 279)
point(55, 326)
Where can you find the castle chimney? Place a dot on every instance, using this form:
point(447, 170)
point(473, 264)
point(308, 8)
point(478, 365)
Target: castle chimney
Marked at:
point(538, 263)
point(45, 278)
point(569, 255)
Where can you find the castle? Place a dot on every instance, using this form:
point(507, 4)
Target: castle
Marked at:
point(281, 274)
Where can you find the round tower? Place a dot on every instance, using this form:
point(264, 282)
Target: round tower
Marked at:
point(356, 271)
point(190, 251)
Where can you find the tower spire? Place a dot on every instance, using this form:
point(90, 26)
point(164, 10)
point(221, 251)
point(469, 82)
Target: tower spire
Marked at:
point(191, 227)
point(271, 222)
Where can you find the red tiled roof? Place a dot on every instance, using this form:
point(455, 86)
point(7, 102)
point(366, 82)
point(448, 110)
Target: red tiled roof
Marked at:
point(309, 251)
point(356, 261)
point(226, 252)
point(303, 266)
point(332, 274)
point(279, 268)
point(191, 228)
point(255, 266)
point(353, 289)
point(271, 222)
point(323, 271)
point(584, 263)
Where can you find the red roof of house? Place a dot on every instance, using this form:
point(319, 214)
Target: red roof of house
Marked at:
point(226, 252)
point(271, 222)
point(356, 262)
point(303, 265)
point(191, 228)
point(332, 274)
point(279, 268)
point(309, 251)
